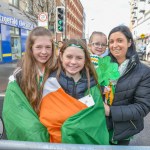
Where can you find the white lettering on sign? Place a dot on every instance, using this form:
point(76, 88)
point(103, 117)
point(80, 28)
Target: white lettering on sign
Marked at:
point(8, 20)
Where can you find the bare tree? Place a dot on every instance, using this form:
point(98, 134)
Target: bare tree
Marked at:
point(32, 8)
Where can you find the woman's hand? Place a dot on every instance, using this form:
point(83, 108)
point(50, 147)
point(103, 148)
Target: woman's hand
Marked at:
point(107, 109)
point(106, 89)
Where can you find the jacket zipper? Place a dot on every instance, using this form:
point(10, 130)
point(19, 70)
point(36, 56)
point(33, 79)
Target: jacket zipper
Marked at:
point(114, 125)
point(113, 132)
point(74, 90)
point(133, 124)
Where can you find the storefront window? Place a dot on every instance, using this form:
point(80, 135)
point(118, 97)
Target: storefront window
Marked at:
point(0, 48)
point(15, 43)
point(14, 31)
point(28, 32)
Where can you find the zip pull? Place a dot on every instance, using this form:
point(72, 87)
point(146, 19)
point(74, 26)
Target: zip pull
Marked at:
point(133, 124)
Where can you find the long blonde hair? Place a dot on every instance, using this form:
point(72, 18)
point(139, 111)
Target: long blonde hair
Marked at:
point(97, 33)
point(28, 81)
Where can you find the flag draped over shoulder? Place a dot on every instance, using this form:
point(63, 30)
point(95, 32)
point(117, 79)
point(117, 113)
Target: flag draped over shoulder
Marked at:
point(69, 120)
point(20, 120)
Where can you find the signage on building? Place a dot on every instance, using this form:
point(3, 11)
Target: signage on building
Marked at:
point(43, 19)
point(142, 36)
point(8, 20)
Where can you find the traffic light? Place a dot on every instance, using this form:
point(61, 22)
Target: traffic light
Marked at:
point(60, 19)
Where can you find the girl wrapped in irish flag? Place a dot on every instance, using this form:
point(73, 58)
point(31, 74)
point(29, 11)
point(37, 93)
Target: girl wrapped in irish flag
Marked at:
point(72, 107)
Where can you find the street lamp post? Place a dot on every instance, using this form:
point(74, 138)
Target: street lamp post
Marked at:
point(92, 19)
point(65, 20)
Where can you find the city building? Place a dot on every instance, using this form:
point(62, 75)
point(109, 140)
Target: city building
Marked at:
point(140, 21)
point(19, 17)
point(84, 27)
point(74, 20)
point(14, 29)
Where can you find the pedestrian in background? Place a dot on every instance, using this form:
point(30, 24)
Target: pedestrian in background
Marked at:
point(24, 91)
point(97, 46)
point(147, 51)
point(60, 44)
point(132, 90)
point(72, 107)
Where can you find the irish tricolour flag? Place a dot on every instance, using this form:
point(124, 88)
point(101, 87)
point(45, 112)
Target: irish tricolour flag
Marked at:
point(20, 120)
point(70, 121)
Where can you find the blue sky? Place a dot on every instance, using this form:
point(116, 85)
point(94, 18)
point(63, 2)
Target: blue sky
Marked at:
point(103, 15)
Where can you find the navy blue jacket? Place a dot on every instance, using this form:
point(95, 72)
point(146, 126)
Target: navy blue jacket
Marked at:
point(76, 90)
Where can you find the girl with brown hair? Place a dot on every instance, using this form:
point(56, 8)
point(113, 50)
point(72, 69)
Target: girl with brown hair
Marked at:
point(72, 107)
point(25, 88)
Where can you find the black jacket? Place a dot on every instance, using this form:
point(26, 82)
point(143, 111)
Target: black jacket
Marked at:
point(76, 90)
point(131, 100)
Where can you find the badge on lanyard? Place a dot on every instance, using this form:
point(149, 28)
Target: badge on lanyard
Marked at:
point(87, 100)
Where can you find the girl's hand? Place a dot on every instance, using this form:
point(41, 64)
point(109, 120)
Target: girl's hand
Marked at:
point(106, 89)
point(107, 109)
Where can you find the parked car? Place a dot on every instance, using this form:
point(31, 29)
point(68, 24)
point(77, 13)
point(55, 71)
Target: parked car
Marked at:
point(148, 52)
point(142, 53)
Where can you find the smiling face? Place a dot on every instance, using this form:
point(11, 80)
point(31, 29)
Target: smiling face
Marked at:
point(42, 50)
point(98, 44)
point(118, 46)
point(73, 61)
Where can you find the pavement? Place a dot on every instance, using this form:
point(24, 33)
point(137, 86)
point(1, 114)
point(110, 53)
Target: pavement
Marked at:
point(6, 70)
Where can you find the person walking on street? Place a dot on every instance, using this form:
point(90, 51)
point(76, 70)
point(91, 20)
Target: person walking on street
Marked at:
point(147, 52)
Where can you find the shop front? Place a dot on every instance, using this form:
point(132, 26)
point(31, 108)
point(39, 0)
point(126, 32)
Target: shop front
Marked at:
point(13, 34)
point(0, 49)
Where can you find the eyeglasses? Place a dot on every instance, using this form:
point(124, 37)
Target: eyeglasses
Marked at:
point(99, 44)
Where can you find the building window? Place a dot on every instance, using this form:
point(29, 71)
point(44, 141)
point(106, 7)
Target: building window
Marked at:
point(14, 31)
point(14, 2)
point(15, 43)
point(29, 6)
point(0, 48)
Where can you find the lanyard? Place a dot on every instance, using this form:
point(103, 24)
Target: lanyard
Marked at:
point(40, 77)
